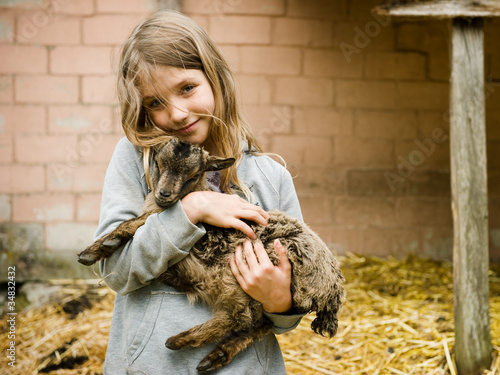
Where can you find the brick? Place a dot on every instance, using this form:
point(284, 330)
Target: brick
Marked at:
point(6, 89)
point(254, 89)
point(222, 7)
point(439, 66)
point(304, 91)
point(493, 154)
point(57, 30)
point(22, 119)
point(6, 149)
point(80, 60)
point(322, 121)
point(321, 179)
point(317, 9)
point(125, 6)
point(391, 65)
point(428, 121)
point(69, 237)
point(437, 243)
point(421, 158)
point(328, 63)
point(78, 118)
point(366, 94)
point(74, 7)
point(356, 38)
point(302, 32)
point(270, 60)
point(109, 29)
point(240, 29)
point(45, 149)
point(422, 95)
point(492, 121)
point(430, 183)
point(89, 177)
point(46, 89)
point(5, 208)
point(97, 147)
point(22, 178)
point(344, 239)
point(386, 124)
point(303, 150)
point(314, 209)
point(43, 207)
point(494, 184)
point(23, 59)
point(424, 212)
point(232, 56)
point(397, 242)
point(354, 151)
point(7, 27)
point(371, 182)
point(99, 90)
point(267, 120)
point(22, 240)
point(363, 211)
point(411, 36)
point(88, 207)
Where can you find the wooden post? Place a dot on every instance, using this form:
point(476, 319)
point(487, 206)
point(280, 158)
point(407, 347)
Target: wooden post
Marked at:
point(469, 197)
point(468, 169)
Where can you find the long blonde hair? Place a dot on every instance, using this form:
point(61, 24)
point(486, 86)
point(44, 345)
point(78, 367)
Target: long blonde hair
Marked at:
point(169, 38)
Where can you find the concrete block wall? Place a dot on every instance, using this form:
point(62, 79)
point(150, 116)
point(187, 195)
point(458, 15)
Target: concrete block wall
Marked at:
point(355, 103)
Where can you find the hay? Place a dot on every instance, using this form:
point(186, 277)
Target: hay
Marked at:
point(398, 319)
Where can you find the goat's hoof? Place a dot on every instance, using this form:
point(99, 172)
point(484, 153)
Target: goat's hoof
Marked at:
point(172, 344)
point(87, 259)
point(112, 243)
point(213, 361)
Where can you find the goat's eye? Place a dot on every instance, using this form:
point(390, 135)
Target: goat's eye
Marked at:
point(195, 177)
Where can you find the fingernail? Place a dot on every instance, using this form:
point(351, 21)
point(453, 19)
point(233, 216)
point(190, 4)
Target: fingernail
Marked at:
point(277, 242)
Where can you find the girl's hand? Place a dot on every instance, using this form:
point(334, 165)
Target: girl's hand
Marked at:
point(263, 281)
point(223, 210)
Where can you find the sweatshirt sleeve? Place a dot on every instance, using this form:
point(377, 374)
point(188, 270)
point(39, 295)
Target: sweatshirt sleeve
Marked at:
point(162, 241)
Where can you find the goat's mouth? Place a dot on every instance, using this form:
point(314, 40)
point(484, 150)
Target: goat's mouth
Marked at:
point(165, 203)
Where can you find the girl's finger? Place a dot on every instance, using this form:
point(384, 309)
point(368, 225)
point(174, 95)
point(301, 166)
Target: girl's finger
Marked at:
point(283, 258)
point(250, 256)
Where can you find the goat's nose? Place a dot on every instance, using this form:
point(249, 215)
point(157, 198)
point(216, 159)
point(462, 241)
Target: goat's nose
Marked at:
point(165, 194)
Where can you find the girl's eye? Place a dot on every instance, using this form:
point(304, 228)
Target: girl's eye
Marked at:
point(154, 104)
point(187, 89)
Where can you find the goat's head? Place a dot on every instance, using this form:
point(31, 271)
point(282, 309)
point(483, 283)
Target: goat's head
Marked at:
point(179, 169)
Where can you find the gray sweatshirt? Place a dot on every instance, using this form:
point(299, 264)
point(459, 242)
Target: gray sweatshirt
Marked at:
point(146, 311)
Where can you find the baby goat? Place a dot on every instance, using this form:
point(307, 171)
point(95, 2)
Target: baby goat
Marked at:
point(205, 274)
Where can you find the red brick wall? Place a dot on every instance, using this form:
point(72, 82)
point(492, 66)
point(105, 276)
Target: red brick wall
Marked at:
point(344, 96)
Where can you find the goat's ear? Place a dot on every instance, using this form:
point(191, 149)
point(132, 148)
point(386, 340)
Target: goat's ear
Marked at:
point(215, 163)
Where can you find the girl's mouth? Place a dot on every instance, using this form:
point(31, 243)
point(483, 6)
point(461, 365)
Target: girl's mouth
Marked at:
point(187, 129)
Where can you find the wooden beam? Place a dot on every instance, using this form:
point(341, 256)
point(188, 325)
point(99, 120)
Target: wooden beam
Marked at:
point(469, 198)
point(440, 9)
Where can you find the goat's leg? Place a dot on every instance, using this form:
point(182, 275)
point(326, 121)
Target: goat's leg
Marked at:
point(234, 343)
point(213, 330)
point(105, 246)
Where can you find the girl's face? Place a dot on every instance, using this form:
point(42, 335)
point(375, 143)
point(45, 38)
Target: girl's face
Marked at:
point(179, 104)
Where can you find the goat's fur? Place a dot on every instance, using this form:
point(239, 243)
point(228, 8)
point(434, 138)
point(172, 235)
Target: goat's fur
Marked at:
point(238, 320)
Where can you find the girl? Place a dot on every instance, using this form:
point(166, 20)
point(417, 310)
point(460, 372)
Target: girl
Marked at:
point(173, 81)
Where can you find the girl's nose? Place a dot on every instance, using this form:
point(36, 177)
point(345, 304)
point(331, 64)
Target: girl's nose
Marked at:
point(178, 113)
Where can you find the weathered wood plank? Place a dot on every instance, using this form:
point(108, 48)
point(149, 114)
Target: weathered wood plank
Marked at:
point(469, 197)
point(440, 9)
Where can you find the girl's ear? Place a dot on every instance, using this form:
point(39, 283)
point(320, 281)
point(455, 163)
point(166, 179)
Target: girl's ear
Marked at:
point(215, 163)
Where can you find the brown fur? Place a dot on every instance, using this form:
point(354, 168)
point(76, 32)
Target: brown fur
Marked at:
point(238, 321)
